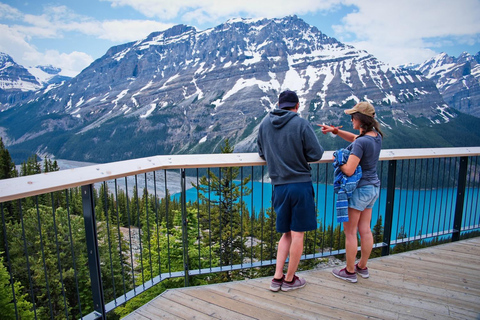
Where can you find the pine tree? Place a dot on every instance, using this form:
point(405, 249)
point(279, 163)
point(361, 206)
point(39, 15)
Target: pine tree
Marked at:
point(223, 219)
point(8, 309)
point(7, 166)
point(47, 237)
point(377, 237)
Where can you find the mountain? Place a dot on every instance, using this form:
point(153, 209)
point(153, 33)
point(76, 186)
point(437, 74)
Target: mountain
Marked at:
point(16, 82)
point(185, 91)
point(15, 77)
point(48, 75)
point(19, 83)
point(457, 79)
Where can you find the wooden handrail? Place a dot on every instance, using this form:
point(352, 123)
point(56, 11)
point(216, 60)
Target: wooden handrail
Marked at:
point(21, 187)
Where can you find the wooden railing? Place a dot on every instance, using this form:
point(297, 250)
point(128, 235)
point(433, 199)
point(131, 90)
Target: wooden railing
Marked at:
point(138, 215)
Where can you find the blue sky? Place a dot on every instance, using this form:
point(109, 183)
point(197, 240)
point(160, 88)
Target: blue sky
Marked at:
point(71, 34)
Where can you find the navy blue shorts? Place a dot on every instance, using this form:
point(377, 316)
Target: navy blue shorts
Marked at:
point(294, 204)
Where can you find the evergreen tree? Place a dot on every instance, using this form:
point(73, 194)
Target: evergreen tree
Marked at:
point(377, 237)
point(223, 220)
point(31, 166)
point(7, 166)
point(42, 236)
point(7, 170)
point(8, 309)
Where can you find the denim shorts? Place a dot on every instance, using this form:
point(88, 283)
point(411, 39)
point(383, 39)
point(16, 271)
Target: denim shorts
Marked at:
point(364, 197)
point(294, 204)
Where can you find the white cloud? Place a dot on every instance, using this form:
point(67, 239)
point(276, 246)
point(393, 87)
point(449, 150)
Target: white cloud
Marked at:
point(57, 22)
point(8, 12)
point(406, 31)
point(394, 31)
point(130, 30)
point(191, 11)
point(13, 42)
point(71, 63)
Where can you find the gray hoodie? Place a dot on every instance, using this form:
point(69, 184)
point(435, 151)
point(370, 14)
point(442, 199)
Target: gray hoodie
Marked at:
point(288, 143)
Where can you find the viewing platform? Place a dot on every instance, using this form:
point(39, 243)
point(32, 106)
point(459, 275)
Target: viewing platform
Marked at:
point(440, 282)
point(87, 243)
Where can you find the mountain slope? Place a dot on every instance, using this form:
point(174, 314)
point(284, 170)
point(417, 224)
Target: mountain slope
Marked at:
point(457, 79)
point(184, 91)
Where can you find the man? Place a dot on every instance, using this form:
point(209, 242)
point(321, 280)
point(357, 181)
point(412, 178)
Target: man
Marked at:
point(288, 143)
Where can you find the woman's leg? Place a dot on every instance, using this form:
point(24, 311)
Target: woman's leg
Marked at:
point(351, 243)
point(366, 237)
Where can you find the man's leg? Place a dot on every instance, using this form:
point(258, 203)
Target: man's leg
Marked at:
point(296, 250)
point(282, 254)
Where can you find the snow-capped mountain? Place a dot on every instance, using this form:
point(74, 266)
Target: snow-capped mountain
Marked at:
point(457, 79)
point(16, 77)
point(185, 91)
point(18, 83)
point(47, 75)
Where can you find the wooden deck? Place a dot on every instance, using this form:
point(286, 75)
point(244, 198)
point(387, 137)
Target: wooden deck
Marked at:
point(441, 282)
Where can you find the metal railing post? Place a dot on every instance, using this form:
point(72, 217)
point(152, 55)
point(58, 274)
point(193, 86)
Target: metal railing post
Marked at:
point(462, 183)
point(92, 249)
point(387, 229)
point(184, 226)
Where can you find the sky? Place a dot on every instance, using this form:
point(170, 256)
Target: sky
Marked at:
point(71, 34)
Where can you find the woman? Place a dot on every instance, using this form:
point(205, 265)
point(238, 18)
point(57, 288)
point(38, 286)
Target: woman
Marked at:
point(364, 151)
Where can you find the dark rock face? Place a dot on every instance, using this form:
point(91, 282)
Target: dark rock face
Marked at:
point(457, 79)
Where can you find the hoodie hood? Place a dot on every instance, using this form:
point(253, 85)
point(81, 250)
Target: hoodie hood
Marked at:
point(280, 117)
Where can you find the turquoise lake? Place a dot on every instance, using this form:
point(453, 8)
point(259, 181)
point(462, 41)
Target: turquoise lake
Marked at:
point(418, 211)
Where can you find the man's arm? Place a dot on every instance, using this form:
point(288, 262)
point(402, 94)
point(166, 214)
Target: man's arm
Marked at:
point(312, 148)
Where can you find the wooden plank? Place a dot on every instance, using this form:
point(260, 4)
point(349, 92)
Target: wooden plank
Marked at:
point(394, 299)
point(461, 249)
point(410, 285)
point(214, 311)
point(213, 297)
point(137, 316)
point(174, 309)
point(426, 276)
point(454, 276)
point(293, 303)
point(344, 296)
point(148, 313)
point(427, 289)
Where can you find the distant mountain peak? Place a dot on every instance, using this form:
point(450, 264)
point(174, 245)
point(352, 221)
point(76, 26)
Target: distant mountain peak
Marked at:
point(49, 69)
point(14, 77)
point(457, 79)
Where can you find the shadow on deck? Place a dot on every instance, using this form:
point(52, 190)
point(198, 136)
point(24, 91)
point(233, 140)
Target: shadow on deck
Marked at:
point(441, 282)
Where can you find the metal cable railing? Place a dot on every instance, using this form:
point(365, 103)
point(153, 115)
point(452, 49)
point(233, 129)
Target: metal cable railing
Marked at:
point(82, 243)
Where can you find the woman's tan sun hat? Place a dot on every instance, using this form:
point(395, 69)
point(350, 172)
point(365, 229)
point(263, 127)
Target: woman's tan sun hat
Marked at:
point(364, 108)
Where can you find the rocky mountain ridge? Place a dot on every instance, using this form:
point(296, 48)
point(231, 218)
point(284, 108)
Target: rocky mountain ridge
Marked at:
point(185, 91)
point(457, 79)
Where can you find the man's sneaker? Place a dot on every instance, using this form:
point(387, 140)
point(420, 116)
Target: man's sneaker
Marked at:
point(276, 284)
point(362, 272)
point(296, 283)
point(342, 274)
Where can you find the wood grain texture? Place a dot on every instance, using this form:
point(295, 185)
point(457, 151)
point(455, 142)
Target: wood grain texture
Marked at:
point(441, 282)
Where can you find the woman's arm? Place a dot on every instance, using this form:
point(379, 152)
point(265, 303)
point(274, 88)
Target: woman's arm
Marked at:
point(348, 136)
point(352, 164)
